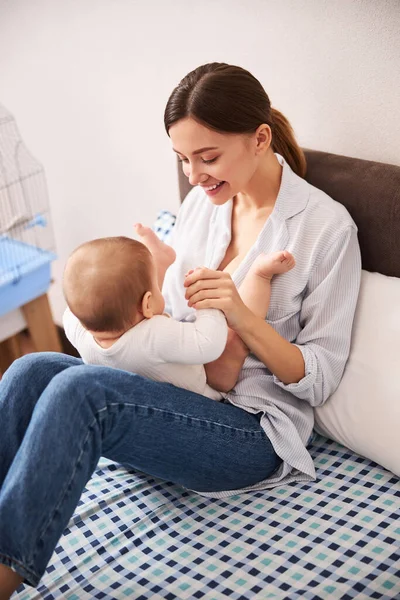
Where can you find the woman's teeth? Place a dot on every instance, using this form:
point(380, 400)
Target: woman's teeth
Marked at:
point(213, 187)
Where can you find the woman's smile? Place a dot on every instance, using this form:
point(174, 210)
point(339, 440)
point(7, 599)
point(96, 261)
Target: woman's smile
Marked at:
point(212, 190)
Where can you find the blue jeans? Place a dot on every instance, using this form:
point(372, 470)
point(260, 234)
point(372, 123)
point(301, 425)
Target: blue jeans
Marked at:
point(58, 416)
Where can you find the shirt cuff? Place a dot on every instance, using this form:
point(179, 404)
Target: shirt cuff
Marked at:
point(307, 382)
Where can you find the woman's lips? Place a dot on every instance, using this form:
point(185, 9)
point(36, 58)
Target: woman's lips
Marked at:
point(214, 190)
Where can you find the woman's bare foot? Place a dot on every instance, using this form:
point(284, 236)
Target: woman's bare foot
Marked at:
point(274, 263)
point(163, 254)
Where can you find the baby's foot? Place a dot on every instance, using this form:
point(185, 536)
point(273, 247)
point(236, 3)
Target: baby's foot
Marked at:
point(163, 254)
point(274, 263)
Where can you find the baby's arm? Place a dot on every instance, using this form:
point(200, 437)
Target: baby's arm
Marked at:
point(163, 254)
point(255, 290)
point(194, 343)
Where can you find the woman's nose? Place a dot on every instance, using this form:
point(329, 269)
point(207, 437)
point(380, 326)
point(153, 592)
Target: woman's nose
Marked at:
point(195, 176)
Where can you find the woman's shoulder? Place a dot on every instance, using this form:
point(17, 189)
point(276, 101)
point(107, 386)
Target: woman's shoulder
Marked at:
point(321, 202)
point(322, 226)
point(299, 201)
point(327, 212)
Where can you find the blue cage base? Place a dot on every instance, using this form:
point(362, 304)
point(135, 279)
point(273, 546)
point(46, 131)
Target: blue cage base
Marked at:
point(24, 273)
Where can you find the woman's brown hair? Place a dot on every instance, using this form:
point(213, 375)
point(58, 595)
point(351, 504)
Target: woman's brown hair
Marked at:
point(230, 99)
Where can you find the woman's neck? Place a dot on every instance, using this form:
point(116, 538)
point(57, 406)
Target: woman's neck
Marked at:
point(263, 188)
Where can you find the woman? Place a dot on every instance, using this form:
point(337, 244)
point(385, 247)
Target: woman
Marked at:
point(61, 415)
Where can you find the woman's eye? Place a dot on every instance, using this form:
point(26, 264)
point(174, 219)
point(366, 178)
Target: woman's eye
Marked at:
point(205, 162)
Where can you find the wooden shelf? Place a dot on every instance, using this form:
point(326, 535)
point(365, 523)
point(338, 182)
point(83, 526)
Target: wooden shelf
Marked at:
point(43, 334)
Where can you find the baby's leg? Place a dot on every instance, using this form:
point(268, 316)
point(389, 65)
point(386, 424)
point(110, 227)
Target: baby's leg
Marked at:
point(255, 290)
point(163, 254)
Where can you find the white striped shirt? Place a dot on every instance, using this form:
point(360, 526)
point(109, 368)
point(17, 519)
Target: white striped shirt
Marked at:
point(311, 306)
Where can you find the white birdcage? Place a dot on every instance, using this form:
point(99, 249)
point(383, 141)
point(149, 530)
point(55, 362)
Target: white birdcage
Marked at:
point(26, 235)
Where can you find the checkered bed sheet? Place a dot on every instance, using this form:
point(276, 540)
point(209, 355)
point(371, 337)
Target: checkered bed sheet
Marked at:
point(133, 536)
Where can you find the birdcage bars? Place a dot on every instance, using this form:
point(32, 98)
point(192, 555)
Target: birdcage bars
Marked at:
point(26, 233)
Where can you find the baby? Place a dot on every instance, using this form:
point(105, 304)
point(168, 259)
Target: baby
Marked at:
point(115, 315)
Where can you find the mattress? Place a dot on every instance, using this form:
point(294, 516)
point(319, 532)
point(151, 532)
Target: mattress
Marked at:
point(133, 536)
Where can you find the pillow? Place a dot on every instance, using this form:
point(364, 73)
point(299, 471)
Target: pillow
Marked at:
point(364, 412)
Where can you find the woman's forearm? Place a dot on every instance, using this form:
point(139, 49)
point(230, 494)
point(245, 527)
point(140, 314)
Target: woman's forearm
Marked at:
point(282, 358)
point(222, 374)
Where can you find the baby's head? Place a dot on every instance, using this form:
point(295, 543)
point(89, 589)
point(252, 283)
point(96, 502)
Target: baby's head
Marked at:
point(110, 284)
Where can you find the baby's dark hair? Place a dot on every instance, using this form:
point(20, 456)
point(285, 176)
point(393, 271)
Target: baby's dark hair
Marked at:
point(105, 281)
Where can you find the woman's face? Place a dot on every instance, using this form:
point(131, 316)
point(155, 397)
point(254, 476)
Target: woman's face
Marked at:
point(210, 158)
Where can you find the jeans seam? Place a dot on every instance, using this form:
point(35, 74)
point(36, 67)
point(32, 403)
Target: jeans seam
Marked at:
point(176, 414)
point(19, 563)
point(64, 492)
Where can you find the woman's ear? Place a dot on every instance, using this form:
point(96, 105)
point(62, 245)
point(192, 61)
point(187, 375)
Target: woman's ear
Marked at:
point(263, 138)
point(147, 306)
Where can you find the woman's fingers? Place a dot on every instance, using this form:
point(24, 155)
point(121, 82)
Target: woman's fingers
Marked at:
point(218, 303)
point(205, 284)
point(203, 273)
point(206, 279)
point(207, 294)
point(206, 288)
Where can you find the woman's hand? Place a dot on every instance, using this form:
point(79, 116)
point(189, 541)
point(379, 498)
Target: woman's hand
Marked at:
point(206, 288)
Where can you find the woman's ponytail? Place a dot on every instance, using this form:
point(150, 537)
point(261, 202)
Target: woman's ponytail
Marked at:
point(284, 143)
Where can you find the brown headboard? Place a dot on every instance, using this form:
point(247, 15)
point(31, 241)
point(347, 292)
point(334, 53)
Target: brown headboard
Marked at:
point(371, 193)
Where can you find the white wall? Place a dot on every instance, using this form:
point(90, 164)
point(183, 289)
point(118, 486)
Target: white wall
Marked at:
point(88, 80)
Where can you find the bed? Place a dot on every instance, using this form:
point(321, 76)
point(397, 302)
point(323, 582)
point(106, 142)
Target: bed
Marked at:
point(133, 536)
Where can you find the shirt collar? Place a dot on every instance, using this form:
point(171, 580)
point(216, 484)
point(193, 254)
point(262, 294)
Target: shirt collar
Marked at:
point(293, 193)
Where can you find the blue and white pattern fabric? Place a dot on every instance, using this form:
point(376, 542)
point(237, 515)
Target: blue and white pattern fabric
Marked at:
point(164, 225)
point(135, 537)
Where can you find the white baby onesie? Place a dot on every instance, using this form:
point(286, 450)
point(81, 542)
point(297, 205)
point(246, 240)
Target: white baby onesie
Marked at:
point(159, 348)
